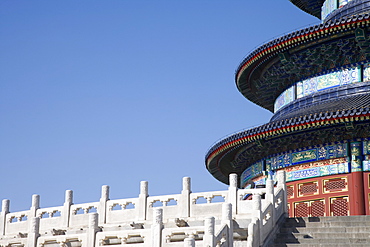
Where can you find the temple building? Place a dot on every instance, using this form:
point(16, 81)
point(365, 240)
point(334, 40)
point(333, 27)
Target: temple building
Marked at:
point(316, 82)
point(311, 159)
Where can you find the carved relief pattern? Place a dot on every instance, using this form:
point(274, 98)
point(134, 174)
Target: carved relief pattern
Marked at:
point(316, 169)
point(290, 191)
point(319, 83)
point(289, 159)
point(335, 185)
point(301, 209)
point(366, 163)
point(314, 208)
point(308, 188)
point(318, 208)
point(339, 206)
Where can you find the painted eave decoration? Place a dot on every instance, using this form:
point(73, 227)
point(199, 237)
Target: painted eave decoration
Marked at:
point(278, 129)
point(267, 71)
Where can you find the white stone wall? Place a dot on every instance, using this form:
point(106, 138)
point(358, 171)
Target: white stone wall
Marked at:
point(180, 220)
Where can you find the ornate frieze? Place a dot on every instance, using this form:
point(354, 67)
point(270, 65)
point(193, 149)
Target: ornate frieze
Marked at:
point(306, 53)
point(325, 160)
point(320, 83)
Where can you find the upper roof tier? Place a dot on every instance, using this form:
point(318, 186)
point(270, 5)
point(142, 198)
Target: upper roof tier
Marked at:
point(312, 7)
point(275, 66)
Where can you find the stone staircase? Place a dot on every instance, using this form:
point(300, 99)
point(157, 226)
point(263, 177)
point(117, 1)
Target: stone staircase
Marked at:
point(324, 231)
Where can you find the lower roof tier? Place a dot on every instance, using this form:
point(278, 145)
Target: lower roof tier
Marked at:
point(252, 154)
point(344, 117)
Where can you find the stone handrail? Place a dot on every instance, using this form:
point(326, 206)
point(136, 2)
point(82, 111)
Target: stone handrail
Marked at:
point(265, 218)
point(222, 236)
point(139, 221)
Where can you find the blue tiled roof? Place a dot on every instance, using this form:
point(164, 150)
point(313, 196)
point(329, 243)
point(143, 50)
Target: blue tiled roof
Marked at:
point(312, 7)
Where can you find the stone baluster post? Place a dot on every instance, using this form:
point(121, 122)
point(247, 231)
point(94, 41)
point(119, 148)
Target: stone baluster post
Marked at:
point(209, 232)
point(35, 205)
point(102, 210)
point(67, 207)
point(270, 197)
point(32, 213)
point(189, 242)
point(143, 200)
point(157, 227)
point(4, 211)
point(257, 204)
point(257, 212)
point(33, 233)
point(233, 192)
point(92, 229)
point(185, 197)
point(281, 179)
point(228, 220)
point(253, 239)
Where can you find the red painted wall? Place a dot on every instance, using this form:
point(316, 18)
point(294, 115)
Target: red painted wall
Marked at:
point(336, 195)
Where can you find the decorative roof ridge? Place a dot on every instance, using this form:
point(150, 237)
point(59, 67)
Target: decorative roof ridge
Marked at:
point(298, 37)
point(288, 125)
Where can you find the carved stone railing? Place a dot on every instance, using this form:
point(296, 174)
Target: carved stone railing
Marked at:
point(265, 216)
point(169, 220)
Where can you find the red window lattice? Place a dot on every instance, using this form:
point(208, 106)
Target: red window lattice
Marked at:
point(301, 210)
point(308, 188)
point(317, 208)
point(290, 191)
point(339, 207)
point(335, 184)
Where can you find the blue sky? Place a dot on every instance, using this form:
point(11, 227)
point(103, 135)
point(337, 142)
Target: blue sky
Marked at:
point(115, 92)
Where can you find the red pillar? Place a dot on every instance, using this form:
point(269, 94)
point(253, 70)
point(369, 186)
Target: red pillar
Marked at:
point(356, 200)
point(366, 192)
